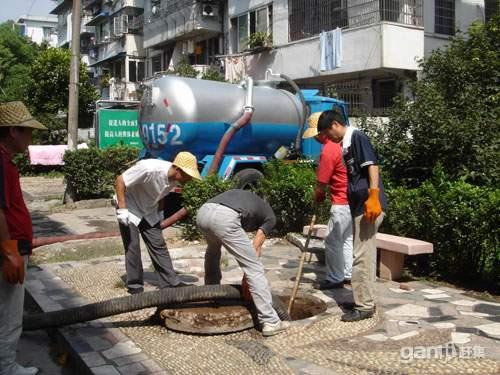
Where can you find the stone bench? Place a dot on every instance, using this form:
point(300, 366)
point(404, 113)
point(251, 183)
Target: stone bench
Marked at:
point(392, 249)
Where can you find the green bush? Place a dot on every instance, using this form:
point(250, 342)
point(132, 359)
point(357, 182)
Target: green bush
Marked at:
point(460, 219)
point(22, 162)
point(194, 194)
point(288, 187)
point(91, 172)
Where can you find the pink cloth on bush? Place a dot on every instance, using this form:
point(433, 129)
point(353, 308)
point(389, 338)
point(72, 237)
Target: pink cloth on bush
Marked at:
point(49, 154)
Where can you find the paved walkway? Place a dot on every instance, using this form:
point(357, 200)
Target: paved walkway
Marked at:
point(422, 330)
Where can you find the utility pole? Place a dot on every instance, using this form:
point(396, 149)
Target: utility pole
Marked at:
point(74, 77)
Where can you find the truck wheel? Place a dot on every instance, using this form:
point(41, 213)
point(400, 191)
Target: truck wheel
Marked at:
point(247, 178)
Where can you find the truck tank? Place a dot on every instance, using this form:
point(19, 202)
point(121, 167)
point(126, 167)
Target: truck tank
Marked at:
point(185, 114)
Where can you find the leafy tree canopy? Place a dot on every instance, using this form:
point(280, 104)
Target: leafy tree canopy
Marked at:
point(454, 120)
point(48, 87)
point(16, 55)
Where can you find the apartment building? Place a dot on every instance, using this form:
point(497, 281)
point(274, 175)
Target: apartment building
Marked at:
point(375, 49)
point(111, 43)
point(39, 28)
point(117, 48)
point(177, 30)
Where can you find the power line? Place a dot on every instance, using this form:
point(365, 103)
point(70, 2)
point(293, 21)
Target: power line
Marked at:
point(31, 7)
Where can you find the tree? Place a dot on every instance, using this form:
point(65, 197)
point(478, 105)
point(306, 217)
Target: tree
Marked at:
point(16, 55)
point(454, 120)
point(48, 86)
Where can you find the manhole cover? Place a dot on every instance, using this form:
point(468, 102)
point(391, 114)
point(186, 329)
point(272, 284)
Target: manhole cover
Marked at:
point(230, 316)
point(208, 318)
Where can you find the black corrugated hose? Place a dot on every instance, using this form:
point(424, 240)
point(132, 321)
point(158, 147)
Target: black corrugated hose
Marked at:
point(120, 305)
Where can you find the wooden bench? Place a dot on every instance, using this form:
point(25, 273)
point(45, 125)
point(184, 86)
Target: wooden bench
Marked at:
point(391, 250)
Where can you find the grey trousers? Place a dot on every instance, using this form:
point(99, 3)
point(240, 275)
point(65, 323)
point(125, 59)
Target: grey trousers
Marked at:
point(222, 226)
point(11, 321)
point(338, 244)
point(364, 267)
point(157, 249)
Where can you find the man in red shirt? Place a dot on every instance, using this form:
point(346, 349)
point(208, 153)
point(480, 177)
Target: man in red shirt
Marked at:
point(332, 173)
point(16, 233)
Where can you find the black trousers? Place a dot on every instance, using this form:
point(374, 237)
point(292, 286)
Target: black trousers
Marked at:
point(157, 249)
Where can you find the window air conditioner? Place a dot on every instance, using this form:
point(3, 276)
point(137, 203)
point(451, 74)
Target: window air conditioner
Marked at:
point(209, 10)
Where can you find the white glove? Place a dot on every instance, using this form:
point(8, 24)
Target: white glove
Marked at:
point(122, 215)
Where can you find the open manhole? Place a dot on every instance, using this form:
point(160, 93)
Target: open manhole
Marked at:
point(230, 316)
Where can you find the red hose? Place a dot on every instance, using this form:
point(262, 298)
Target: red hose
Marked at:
point(42, 241)
point(174, 218)
point(228, 135)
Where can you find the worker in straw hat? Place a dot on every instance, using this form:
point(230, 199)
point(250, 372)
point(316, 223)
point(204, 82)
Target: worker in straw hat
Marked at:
point(331, 174)
point(139, 193)
point(16, 233)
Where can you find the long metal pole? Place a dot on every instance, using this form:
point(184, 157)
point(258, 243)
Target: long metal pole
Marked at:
point(74, 77)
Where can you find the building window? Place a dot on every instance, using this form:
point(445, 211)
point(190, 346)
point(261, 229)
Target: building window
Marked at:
point(141, 71)
point(445, 17)
point(384, 92)
point(132, 71)
point(156, 64)
point(310, 17)
point(259, 20)
point(135, 71)
point(491, 9)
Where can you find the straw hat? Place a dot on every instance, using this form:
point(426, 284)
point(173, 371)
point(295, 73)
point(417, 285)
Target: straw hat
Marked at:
point(186, 161)
point(312, 130)
point(16, 114)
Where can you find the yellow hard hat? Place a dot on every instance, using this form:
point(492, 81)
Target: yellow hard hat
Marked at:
point(186, 161)
point(312, 122)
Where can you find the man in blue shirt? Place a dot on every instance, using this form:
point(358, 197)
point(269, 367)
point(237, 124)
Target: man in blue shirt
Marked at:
point(367, 202)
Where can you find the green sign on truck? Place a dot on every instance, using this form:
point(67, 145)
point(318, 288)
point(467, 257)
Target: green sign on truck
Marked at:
point(117, 127)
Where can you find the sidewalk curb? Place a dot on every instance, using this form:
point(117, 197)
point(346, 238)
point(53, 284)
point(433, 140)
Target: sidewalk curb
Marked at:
point(94, 347)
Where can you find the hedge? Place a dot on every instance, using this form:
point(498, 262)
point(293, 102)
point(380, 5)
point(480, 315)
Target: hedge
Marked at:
point(460, 219)
point(287, 187)
point(91, 172)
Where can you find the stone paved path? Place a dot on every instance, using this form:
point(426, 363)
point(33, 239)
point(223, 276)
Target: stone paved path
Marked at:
point(411, 327)
point(418, 331)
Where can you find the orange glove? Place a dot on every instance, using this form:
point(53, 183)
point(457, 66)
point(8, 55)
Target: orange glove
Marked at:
point(245, 291)
point(319, 195)
point(372, 205)
point(12, 262)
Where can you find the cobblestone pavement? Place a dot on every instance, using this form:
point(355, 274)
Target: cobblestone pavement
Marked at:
point(423, 330)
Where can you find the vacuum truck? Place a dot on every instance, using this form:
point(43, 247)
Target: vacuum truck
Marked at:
point(232, 129)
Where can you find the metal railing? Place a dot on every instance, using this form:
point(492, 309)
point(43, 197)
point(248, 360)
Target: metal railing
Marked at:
point(310, 17)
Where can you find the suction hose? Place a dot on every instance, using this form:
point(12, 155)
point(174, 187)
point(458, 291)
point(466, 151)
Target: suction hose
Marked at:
point(163, 297)
point(240, 123)
point(298, 138)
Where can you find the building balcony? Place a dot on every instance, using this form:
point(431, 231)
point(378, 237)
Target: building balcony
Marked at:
point(173, 22)
point(113, 49)
point(380, 46)
point(133, 3)
point(309, 17)
point(61, 6)
point(88, 3)
point(84, 29)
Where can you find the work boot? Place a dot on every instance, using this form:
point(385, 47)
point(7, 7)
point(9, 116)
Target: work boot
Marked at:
point(135, 290)
point(326, 285)
point(270, 329)
point(181, 284)
point(21, 370)
point(354, 315)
